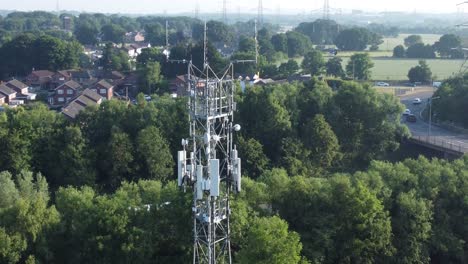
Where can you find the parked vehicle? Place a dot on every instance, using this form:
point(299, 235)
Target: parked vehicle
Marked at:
point(411, 118)
point(382, 84)
point(407, 112)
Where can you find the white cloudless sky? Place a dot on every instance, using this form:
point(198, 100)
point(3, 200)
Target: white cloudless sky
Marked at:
point(248, 6)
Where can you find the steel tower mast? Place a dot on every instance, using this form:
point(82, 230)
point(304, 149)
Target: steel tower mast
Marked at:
point(209, 162)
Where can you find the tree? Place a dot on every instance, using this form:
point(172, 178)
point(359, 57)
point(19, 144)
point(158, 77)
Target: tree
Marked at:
point(447, 44)
point(334, 67)
point(254, 160)
point(113, 33)
point(359, 66)
point(154, 150)
point(319, 137)
point(420, 50)
point(412, 40)
point(149, 76)
point(280, 42)
point(313, 63)
point(247, 44)
point(269, 241)
point(288, 68)
point(420, 73)
point(86, 33)
point(297, 43)
point(27, 218)
point(119, 160)
point(320, 32)
point(366, 123)
point(356, 39)
point(399, 51)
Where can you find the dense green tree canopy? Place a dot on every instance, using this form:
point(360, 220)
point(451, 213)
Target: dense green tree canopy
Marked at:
point(313, 62)
point(359, 66)
point(420, 73)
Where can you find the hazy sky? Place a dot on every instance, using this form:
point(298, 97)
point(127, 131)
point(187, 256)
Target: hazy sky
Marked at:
point(270, 6)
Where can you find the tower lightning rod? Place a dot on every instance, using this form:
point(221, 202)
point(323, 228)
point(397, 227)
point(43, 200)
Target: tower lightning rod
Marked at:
point(205, 44)
point(167, 34)
point(256, 43)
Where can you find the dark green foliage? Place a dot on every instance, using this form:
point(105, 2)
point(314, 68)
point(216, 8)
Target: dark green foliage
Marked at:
point(399, 51)
point(413, 40)
point(27, 52)
point(420, 73)
point(357, 39)
point(288, 68)
point(334, 67)
point(449, 46)
point(320, 32)
point(420, 50)
point(359, 66)
point(313, 63)
point(451, 106)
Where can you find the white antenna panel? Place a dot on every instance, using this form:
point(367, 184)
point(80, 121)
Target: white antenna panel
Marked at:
point(180, 166)
point(199, 182)
point(214, 176)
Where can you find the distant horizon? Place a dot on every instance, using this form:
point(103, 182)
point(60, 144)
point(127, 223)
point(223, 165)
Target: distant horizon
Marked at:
point(271, 7)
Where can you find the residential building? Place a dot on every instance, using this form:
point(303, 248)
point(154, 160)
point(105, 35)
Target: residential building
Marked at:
point(104, 89)
point(65, 93)
point(40, 79)
point(132, 37)
point(8, 93)
point(21, 89)
point(133, 50)
point(87, 98)
point(178, 85)
point(83, 77)
point(2, 99)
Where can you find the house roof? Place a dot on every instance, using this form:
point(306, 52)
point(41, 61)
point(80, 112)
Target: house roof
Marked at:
point(6, 90)
point(87, 98)
point(80, 74)
point(72, 109)
point(103, 84)
point(92, 95)
point(64, 73)
point(70, 84)
point(42, 73)
point(118, 75)
point(16, 84)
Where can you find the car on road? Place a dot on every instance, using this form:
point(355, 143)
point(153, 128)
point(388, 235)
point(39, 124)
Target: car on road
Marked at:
point(411, 118)
point(417, 101)
point(147, 97)
point(407, 112)
point(382, 84)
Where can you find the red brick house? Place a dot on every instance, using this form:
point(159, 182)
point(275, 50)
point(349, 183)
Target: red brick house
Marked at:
point(41, 79)
point(8, 93)
point(61, 77)
point(104, 89)
point(65, 93)
point(87, 98)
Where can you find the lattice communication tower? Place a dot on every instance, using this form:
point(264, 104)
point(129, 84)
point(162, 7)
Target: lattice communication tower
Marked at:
point(209, 163)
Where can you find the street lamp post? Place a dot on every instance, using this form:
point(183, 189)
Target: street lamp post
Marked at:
point(430, 113)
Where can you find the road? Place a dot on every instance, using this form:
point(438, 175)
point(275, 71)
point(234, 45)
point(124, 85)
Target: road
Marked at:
point(420, 129)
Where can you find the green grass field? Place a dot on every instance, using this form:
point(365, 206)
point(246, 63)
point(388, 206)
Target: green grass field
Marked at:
point(390, 43)
point(390, 69)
